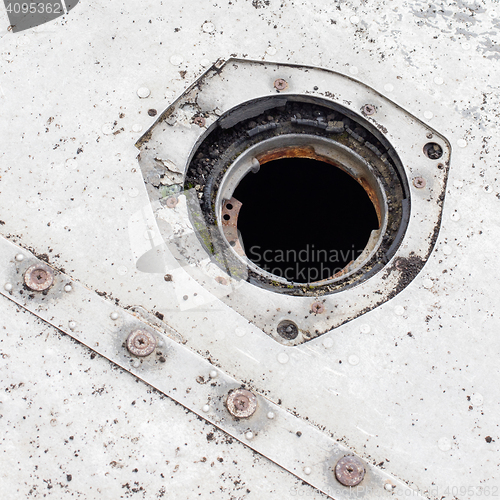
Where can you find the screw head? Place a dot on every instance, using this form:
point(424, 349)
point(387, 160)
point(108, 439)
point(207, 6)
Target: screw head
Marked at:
point(221, 280)
point(280, 84)
point(39, 277)
point(241, 403)
point(317, 308)
point(172, 201)
point(350, 471)
point(419, 182)
point(368, 109)
point(199, 120)
point(141, 343)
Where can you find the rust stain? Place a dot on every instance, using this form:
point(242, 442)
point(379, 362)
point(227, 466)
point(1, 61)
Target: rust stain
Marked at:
point(308, 152)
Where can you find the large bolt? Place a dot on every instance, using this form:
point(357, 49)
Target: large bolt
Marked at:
point(141, 343)
point(241, 403)
point(39, 277)
point(288, 330)
point(350, 471)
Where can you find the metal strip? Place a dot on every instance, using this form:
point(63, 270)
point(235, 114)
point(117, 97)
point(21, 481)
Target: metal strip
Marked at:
point(189, 379)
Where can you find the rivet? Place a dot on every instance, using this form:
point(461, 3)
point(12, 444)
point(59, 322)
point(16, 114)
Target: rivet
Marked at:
point(8, 286)
point(447, 250)
point(241, 403)
point(271, 51)
point(438, 80)
point(350, 471)
point(72, 325)
point(176, 60)
point(365, 328)
point(428, 115)
point(39, 277)
point(206, 408)
point(270, 415)
point(107, 129)
point(462, 143)
point(354, 19)
point(137, 127)
point(141, 343)
point(455, 216)
point(280, 84)
point(143, 92)
point(388, 487)
point(399, 310)
point(353, 70)
point(136, 363)
point(353, 360)
point(283, 357)
point(19, 257)
point(428, 283)
point(388, 87)
point(114, 316)
point(68, 288)
point(133, 192)
point(444, 444)
point(249, 435)
point(208, 27)
point(307, 471)
point(327, 343)
point(213, 374)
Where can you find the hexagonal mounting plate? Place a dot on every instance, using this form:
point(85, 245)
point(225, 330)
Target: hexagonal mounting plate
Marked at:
point(171, 142)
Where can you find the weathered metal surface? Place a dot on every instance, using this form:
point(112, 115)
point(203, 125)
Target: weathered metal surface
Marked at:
point(185, 376)
point(413, 385)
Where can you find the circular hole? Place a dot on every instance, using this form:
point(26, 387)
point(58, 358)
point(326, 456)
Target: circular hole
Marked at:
point(309, 221)
point(232, 243)
point(433, 150)
point(229, 206)
point(226, 216)
point(288, 330)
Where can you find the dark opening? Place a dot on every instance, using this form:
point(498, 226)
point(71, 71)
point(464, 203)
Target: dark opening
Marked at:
point(303, 219)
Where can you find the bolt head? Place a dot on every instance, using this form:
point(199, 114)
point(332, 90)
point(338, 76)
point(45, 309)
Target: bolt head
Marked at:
point(141, 343)
point(39, 277)
point(350, 471)
point(241, 403)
